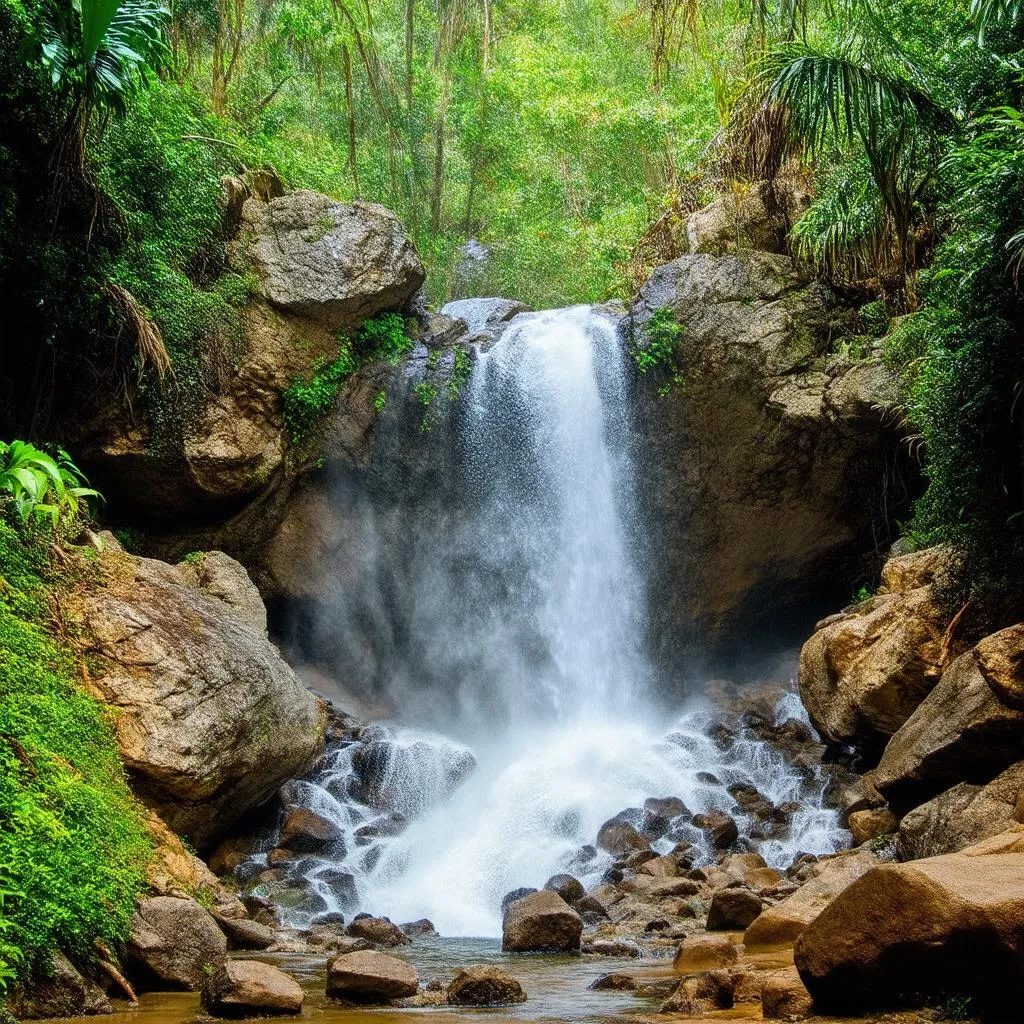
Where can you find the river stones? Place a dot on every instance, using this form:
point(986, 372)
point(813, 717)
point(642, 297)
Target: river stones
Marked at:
point(243, 933)
point(784, 997)
point(249, 988)
point(172, 944)
point(485, 985)
point(569, 888)
point(733, 909)
point(720, 827)
point(620, 838)
point(703, 952)
point(305, 831)
point(541, 921)
point(370, 977)
point(378, 930)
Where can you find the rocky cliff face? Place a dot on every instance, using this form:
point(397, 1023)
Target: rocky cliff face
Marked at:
point(771, 465)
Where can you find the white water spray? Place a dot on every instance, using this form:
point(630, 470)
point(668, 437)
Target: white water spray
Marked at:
point(559, 714)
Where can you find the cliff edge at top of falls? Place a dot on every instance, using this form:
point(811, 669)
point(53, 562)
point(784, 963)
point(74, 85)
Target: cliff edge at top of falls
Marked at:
point(768, 474)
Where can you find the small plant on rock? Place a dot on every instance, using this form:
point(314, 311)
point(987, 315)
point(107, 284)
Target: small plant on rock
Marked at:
point(42, 486)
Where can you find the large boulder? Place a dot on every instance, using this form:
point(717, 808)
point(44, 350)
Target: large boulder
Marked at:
point(783, 923)
point(733, 908)
point(865, 671)
point(541, 921)
point(485, 985)
point(330, 262)
point(173, 944)
point(768, 463)
point(367, 976)
point(210, 720)
point(952, 924)
point(963, 815)
point(248, 988)
point(961, 732)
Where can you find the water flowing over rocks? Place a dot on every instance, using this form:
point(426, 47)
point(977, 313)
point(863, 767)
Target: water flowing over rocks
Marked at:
point(211, 721)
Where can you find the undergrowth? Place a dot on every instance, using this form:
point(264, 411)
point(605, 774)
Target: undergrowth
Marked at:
point(658, 352)
point(73, 846)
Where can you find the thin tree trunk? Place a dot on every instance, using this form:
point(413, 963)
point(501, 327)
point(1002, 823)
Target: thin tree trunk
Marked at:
point(410, 126)
point(474, 169)
point(436, 192)
point(350, 106)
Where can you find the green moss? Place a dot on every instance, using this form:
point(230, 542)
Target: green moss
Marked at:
point(308, 400)
point(427, 393)
point(657, 354)
point(460, 373)
point(380, 401)
point(73, 845)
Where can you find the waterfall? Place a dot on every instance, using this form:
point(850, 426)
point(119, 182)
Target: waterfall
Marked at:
point(524, 628)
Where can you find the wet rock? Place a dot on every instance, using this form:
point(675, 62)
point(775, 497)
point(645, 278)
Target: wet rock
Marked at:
point(245, 934)
point(422, 927)
point(248, 988)
point(867, 825)
point(231, 853)
point(304, 831)
point(733, 909)
point(172, 944)
point(261, 909)
point(720, 827)
point(783, 923)
point(378, 930)
point(783, 997)
point(57, 989)
point(515, 894)
point(613, 983)
point(672, 888)
point(370, 977)
point(702, 952)
point(195, 685)
point(342, 885)
point(386, 825)
point(331, 938)
point(620, 838)
point(485, 985)
point(541, 921)
point(589, 905)
point(665, 806)
point(610, 947)
point(915, 927)
point(660, 867)
point(701, 994)
point(569, 888)
point(962, 816)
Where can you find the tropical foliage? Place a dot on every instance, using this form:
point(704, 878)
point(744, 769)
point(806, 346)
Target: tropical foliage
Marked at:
point(42, 485)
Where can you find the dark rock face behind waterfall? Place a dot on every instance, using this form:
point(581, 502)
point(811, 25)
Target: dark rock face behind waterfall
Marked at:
point(771, 467)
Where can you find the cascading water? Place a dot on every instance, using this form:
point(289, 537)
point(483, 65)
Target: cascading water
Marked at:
point(549, 691)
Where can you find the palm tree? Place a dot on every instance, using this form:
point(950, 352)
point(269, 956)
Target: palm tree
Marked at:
point(805, 102)
point(97, 52)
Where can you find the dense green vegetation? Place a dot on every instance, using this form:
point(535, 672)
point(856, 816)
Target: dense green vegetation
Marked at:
point(73, 846)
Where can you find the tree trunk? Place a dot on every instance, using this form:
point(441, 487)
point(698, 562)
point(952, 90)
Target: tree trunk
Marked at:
point(350, 107)
point(437, 191)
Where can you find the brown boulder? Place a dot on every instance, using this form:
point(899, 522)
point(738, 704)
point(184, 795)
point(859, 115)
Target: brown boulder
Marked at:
point(245, 934)
point(733, 909)
point(55, 989)
point(720, 827)
point(960, 733)
point(953, 923)
point(248, 988)
point(485, 985)
point(620, 838)
point(305, 831)
point(1000, 659)
point(867, 825)
point(378, 930)
point(210, 720)
point(700, 994)
point(962, 816)
point(541, 921)
point(782, 923)
point(863, 674)
point(173, 943)
point(370, 977)
point(784, 997)
point(702, 952)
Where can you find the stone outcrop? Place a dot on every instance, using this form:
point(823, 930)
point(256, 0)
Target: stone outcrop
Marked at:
point(865, 671)
point(541, 921)
point(58, 989)
point(173, 944)
point(485, 985)
point(210, 720)
point(769, 462)
point(784, 922)
point(961, 732)
point(953, 923)
point(963, 815)
point(248, 988)
point(222, 465)
point(370, 977)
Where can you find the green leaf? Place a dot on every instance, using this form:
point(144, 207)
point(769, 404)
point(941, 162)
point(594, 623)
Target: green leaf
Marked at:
point(96, 18)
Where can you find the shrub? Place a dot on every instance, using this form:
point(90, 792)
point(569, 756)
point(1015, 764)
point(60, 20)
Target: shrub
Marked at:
point(40, 485)
point(73, 846)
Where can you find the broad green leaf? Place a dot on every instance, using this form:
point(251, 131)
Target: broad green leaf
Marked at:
point(96, 18)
